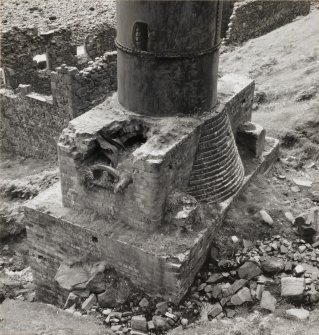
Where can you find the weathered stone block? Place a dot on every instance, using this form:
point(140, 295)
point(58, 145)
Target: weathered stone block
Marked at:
point(292, 287)
point(249, 270)
point(252, 136)
point(139, 322)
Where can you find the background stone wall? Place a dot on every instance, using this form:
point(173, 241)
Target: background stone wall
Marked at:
point(19, 46)
point(251, 18)
point(228, 7)
point(100, 41)
point(31, 122)
point(93, 83)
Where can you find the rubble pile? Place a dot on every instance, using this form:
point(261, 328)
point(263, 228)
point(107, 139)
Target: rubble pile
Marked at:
point(265, 275)
point(16, 281)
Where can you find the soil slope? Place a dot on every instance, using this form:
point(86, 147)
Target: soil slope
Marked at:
point(284, 63)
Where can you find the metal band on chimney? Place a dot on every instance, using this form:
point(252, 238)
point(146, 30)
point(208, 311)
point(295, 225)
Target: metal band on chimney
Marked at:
point(168, 54)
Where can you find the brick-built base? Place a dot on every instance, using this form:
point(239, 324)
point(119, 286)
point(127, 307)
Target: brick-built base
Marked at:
point(217, 171)
point(114, 227)
point(160, 265)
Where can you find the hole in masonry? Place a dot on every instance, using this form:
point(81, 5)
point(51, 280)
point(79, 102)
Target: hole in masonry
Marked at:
point(80, 50)
point(94, 239)
point(2, 76)
point(97, 174)
point(135, 140)
point(42, 61)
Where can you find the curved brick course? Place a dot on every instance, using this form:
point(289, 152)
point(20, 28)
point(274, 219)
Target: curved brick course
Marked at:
point(217, 171)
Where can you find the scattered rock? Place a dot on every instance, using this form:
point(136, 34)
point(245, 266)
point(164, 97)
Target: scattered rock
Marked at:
point(72, 299)
point(184, 322)
point(107, 312)
point(144, 303)
point(289, 217)
point(248, 270)
point(311, 270)
point(235, 239)
point(69, 276)
point(308, 224)
point(292, 287)
point(303, 182)
point(236, 286)
point(298, 313)
point(109, 298)
point(295, 189)
point(89, 302)
point(259, 291)
point(313, 295)
point(160, 323)
point(302, 248)
point(266, 218)
point(241, 297)
point(299, 270)
point(230, 313)
point(288, 267)
point(83, 293)
point(268, 301)
point(162, 307)
point(150, 326)
point(273, 265)
point(96, 283)
point(247, 243)
point(214, 278)
point(215, 310)
point(138, 322)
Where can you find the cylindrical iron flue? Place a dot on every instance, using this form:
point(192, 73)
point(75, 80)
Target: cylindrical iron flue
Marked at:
point(168, 56)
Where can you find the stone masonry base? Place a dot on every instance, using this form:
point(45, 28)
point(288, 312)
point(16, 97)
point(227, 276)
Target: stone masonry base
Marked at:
point(161, 265)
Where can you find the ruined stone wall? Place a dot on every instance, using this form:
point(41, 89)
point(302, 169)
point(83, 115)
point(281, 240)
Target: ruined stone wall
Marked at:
point(29, 124)
point(239, 107)
point(93, 83)
point(228, 7)
point(19, 46)
point(100, 41)
point(251, 18)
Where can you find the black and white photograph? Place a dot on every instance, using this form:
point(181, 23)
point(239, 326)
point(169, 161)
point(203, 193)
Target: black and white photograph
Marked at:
point(159, 167)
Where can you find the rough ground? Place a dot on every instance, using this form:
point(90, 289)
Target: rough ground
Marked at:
point(20, 179)
point(43, 319)
point(254, 324)
point(79, 15)
point(285, 65)
point(296, 123)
